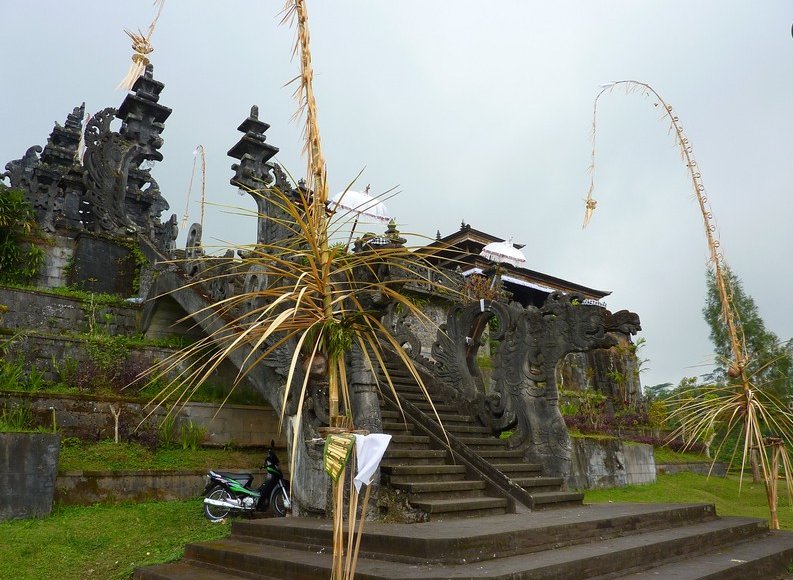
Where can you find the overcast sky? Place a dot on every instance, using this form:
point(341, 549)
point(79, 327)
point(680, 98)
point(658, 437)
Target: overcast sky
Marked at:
point(478, 111)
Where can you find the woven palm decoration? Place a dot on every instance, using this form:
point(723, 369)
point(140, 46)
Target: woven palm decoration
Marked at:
point(141, 48)
point(337, 452)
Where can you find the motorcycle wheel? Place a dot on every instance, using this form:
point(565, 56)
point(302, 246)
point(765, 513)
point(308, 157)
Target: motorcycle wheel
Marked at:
point(278, 501)
point(215, 513)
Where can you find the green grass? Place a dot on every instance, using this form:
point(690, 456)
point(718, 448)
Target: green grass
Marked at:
point(106, 455)
point(691, 488)
point(666, 455)
point(102, 541)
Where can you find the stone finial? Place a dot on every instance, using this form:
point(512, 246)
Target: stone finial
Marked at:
point(438, 235)
point(392, 233)
point(255, 112)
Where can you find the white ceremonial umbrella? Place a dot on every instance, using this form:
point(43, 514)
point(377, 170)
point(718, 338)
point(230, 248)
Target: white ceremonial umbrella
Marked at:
point(361, 204)
point(503, 253)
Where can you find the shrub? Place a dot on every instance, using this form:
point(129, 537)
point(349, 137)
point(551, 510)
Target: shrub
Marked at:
point(20, 261)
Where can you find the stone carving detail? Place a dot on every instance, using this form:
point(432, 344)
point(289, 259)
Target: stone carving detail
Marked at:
point(407, 339)
point(20, 171)
point(193, 251)
point(107, 160)
point(110, 190)
point(220, 277)
point(41, 177)
point(532, 342)
point(165, 234)
point(455, 347)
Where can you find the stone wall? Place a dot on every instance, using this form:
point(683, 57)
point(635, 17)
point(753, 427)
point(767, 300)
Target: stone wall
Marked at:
point(28, 464)
point(598, 463)
point(238, 425)
point(57, 257)
point(88, 487)
point(54, 314)
point(55, 355)
point(90, 418)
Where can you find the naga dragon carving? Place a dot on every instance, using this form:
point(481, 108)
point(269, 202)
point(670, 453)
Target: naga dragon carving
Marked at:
point(524, 394)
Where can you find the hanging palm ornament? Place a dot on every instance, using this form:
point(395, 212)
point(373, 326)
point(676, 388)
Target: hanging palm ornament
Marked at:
point(141, 49)
point(202, 152)
point(742, 407)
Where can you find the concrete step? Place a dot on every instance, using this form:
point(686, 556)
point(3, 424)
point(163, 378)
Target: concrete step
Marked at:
point(468, 429)
point(412, 396)
point(763, 557)
point(541, 500)
point(184, 570)
point(537, 484)
point(442, 489)
point(449, 418)
point(439, 407)
point(486, 538)
point(414, 457)
point(249, 559)
point(464, 507)
point(519, 469)
point(396, 474)
point(398, 428)
point(603, 541)
point(484, 442)
point(409, 442)
point(496, 456)
point(423, 404)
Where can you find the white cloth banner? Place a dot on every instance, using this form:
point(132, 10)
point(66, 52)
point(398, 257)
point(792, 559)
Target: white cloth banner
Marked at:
point(369, 450)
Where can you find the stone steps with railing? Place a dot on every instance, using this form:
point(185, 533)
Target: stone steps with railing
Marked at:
point(454, 495)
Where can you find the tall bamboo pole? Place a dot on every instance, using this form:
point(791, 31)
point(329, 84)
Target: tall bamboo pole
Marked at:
point(737, 366)
point(317, 175)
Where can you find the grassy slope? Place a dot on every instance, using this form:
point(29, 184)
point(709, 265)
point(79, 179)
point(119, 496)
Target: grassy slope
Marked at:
point(102, 541)
point(691, 488)
point(106, 455)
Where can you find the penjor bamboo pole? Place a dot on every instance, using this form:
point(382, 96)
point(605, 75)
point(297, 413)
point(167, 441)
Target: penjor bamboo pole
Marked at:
point(737, 368)
point(317, 173)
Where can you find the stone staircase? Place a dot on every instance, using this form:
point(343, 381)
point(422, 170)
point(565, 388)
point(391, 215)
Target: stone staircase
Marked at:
point(434, 479)
point(598, 541)
point(476, 475)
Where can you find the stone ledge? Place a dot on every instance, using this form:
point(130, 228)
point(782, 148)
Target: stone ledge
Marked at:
point(89, 487)
point(701, 468)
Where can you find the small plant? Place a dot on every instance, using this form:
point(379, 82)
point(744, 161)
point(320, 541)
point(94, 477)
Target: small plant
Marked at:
point(167, 429)
point(477, 287)
point(15, 419)
point(191, 435)
point(12, 374)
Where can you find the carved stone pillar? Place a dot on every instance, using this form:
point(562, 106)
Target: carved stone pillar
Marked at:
point(363, 393)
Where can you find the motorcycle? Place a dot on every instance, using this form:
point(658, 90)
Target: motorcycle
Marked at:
point(231, 493)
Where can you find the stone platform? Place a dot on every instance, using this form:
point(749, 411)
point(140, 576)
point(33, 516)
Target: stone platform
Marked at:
point(595, 541)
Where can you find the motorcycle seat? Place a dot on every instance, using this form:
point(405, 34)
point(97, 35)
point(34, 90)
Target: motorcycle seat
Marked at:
point(244, 478)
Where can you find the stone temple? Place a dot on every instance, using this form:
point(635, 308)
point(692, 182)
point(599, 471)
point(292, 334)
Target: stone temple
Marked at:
point(496, 369)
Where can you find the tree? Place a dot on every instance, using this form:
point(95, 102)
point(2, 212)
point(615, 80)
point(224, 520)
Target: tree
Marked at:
point(19, 260)
point(770, 364)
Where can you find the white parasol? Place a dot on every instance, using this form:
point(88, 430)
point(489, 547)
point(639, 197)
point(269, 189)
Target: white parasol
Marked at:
point(360, 203)
point(503, 253)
